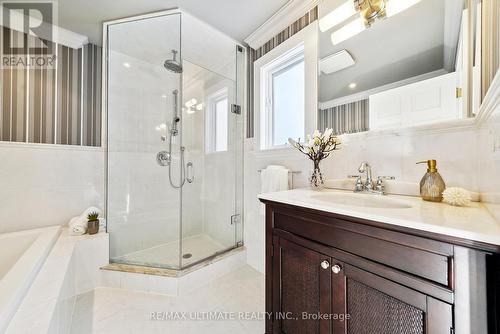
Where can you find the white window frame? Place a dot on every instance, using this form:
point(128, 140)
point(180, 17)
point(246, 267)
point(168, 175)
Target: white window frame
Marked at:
point(305, 41)
point(278, 66)
point(211, 120)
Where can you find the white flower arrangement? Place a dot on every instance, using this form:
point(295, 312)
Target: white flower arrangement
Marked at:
point(317, 147)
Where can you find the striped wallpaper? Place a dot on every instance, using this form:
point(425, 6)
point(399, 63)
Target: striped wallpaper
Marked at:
point(54, 106)
point(253, 55)
point(347, 118)
point(286, 33)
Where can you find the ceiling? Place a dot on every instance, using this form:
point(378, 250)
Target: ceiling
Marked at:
point(236, 18)
point(408, 44)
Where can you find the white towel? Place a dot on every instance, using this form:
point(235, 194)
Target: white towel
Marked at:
point(272, 179)
point(77, 226)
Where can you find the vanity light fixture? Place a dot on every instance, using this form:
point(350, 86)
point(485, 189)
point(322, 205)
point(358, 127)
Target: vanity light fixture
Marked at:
point(367, 12)
point(161, 127)
point(351, 29)
point(191, 103)
point(337, 16)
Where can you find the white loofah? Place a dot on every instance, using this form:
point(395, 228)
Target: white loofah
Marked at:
point(456, 196)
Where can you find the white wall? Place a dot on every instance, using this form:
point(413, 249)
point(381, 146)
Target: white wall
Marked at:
point(43, 185)
point(489, 162)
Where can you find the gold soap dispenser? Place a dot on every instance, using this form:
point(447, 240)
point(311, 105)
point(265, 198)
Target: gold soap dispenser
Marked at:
point(432, 184)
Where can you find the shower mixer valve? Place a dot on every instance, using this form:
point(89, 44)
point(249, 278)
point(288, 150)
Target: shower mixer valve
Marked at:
point(163, 158)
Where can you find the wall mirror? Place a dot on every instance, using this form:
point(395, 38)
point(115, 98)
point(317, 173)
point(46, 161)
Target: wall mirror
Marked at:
point(388, 64)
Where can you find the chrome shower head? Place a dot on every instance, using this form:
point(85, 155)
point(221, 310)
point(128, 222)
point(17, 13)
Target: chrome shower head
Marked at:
point(172, 64)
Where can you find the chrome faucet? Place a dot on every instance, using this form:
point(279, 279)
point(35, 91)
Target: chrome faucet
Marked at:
point(366, 168)
point(367, 186)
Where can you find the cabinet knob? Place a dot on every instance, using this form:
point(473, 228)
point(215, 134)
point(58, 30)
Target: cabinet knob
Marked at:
point(325, 264)
point(336, 269)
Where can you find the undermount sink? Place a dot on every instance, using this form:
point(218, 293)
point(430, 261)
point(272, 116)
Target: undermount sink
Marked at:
point(361, 200)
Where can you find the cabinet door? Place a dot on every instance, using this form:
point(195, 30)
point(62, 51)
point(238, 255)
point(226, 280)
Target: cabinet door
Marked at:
point(301, 289)
point(377, 305)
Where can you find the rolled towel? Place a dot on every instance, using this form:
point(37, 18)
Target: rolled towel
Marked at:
point(77, 226)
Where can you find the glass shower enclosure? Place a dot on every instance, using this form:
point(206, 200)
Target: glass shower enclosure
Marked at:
point(174, 132)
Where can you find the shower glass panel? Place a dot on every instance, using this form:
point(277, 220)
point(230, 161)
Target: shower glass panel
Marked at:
point(175, 146)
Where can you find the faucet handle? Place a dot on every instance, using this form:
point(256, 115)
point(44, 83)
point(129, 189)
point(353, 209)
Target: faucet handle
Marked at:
point(380, 182)
point(359, 183)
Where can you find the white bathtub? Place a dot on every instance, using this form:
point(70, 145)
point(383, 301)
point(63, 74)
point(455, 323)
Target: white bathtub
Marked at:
point(21, 256)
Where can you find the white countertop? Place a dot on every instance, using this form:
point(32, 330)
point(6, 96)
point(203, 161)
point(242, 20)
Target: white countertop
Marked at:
point(472, 223)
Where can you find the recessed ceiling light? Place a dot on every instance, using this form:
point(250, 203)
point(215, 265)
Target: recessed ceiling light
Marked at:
point(352, 85)
point(127, 65)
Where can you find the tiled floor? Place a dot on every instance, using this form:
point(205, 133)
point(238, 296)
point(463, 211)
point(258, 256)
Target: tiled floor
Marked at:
point(199, 246)
point(120, 311)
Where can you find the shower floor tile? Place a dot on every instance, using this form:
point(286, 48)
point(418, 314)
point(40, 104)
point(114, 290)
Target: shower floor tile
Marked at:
point(109, 311)
point(200, 246)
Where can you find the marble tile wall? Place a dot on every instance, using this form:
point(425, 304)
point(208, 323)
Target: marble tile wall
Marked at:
point(44, 185)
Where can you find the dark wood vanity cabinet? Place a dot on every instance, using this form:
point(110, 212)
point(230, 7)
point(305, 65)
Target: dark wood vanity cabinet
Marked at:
point(329, 274)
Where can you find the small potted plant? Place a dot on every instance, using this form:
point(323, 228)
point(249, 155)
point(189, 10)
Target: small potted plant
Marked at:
point(93, 222)
point(317, 147)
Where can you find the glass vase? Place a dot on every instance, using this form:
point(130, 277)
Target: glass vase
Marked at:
point(316, 180)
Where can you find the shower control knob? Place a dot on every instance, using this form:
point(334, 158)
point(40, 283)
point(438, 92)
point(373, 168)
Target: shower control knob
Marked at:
point(325, 264)
point(163, 158)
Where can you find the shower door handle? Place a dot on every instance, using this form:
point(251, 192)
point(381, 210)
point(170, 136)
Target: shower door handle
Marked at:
point(190, 172)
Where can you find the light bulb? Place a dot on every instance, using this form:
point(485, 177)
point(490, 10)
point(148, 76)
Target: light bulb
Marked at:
point(349, 30)
point(337, 16)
